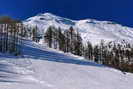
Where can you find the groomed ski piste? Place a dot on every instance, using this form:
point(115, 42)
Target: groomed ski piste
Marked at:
point(43, 68)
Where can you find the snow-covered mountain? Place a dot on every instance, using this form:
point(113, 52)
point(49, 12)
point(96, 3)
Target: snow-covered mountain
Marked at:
point(90, 29)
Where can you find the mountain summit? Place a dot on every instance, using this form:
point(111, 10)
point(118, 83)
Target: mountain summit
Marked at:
point(90, 29)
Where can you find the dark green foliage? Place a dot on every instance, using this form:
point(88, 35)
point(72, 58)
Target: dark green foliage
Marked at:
point(116, 55)
point(78, 45)
point(61, 40)
point(69, 41)
point(49, 36)
point(35, 35)
point(89, 51)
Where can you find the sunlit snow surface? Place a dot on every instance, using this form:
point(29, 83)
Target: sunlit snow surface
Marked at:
point(90, 30)
point(44, 68)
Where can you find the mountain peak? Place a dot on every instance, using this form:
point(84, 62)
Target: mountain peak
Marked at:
point(47, 15)
point(90, 29)
point(50, 14)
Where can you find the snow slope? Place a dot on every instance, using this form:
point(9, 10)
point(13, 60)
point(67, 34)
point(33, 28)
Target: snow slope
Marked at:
point(44, 68)
point(90, 29)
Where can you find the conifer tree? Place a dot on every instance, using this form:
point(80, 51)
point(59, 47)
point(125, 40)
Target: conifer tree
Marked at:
point(61, 40)
point(78, 45)
point(35, 34)
point(48, 36)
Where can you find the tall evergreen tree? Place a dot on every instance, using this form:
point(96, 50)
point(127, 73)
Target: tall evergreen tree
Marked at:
point(61, 40)
point(48, 36)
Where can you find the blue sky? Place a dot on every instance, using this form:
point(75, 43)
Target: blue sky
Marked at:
point(119, 11)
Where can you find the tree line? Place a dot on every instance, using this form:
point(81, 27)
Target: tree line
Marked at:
point(11, 33)
point(117, 55)
point(69, 41)
point(112, 54)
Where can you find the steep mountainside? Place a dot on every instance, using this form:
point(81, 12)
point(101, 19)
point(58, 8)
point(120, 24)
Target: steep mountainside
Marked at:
point(90, 29)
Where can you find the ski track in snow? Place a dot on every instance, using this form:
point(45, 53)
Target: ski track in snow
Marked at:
point(11, 73)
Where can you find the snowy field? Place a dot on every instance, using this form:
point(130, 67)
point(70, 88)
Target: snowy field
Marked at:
point(44, 68)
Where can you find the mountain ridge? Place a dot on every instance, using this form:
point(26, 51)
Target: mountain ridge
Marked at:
point(90, 29)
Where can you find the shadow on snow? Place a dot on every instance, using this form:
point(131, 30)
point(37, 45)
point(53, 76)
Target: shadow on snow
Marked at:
point(36, 53)
point(4, 71)
point(39, 54)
